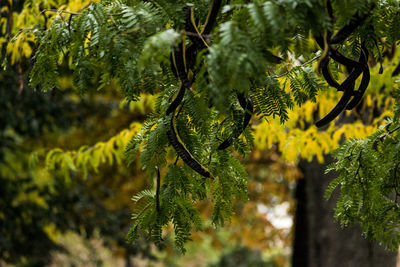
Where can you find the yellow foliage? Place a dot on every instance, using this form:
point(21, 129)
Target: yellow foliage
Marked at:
point(20, 46)
point(145, 103)
point(90, 158)
point(299, 138)
point(52, 232)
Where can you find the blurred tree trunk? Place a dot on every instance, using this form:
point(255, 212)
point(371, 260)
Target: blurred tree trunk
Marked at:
point(319, 240)
point(128, 262)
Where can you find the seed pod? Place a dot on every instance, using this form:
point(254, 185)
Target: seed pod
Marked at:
point(182, 151)
point(348, 87)
point(364, 82)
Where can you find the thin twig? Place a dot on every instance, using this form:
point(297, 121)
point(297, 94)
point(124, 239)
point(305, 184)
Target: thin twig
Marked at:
point(62, 18)
point(389, 133)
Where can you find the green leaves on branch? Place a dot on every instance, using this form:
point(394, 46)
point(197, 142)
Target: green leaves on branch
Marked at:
point(369, 182)
point(106, 39)
point(181, 189)
point(272, 101)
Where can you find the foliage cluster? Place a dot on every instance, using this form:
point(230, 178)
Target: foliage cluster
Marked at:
point(130, 42)
point(36, 206)
point(368, 180)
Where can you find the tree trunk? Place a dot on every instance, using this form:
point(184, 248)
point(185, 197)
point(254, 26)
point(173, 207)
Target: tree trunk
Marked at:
point(319, 240)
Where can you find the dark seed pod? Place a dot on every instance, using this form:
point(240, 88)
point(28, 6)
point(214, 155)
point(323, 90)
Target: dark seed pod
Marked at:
point(364, 82)
point(182, 152)
point(227, 143)
point(342, 59)
point(179, 60)
point(215, 6)
point(177, 100)
point(248, 113)
point(348, 87)
point(396, 70)
point(348, 29)
point(328, 76)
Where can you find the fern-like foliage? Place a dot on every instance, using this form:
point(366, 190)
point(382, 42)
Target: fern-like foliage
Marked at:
point(131, 42)
point(369, 184)
point(304, 84)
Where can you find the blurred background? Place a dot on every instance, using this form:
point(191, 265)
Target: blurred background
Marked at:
point(65, 190)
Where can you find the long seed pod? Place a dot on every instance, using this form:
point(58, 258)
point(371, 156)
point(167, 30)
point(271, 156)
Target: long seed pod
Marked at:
point(227, 143)
point(337, 56)
point(248, 113)
point(342, 59)
point(328, 75)
point(179, 58)
point(325, 53)
point(396, 70)
point(182, 151)
point(215, 6)
point(364, 81)
point(172, 59)
point(178, 62)
point(320, 41)
point(191, 55)
point(349, 28)
point(191, 25)
point(177, 100)
point(323, 64)
point(185, 71)
point(329, 9)
point(348, 87)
